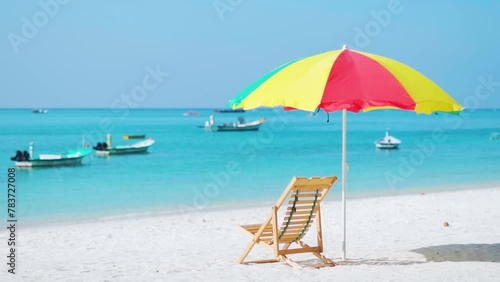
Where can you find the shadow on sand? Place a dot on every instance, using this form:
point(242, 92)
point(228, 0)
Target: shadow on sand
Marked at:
point(380, 261)
point(461, 252)
point(452, 252)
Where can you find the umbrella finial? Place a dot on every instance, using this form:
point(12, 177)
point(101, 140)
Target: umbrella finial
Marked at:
point(344, 47)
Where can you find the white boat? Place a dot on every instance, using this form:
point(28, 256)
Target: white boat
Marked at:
point(388, 142)
point(191, 113)
point(241, 125)
point(39, 111)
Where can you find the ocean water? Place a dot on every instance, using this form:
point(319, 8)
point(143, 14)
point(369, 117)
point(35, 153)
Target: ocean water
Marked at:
point(189, 169)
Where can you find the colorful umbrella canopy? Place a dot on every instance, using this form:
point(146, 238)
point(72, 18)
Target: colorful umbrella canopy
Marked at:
point(346, 80)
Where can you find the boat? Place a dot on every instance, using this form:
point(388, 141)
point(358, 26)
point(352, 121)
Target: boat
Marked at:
point(241, 125)
point(191, 113)
point(388, 142)
point(70, 158)
point(105, 149)
point(141, 136)
point(39, 111)
point(222, 111)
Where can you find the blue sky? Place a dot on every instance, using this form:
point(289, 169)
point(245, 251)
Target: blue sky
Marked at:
point(196, 53)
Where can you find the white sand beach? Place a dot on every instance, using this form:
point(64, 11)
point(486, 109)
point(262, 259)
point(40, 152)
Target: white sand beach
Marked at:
point(400, 238)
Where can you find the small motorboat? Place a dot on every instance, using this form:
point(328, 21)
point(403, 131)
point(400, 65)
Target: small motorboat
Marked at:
point(388, 142)
point(225, 111)
point(39, 111)
point(70, 158)
point(241, 125)
point(191, 113)
point(105, 149)
point(140, 136)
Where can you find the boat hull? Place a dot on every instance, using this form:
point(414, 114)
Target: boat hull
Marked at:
point(225, 111)
point(138, 148)
point(50, 163)
point(235, 128)
point(388, 142)
point(387, 146)
point(251, 126)
point(121, 151)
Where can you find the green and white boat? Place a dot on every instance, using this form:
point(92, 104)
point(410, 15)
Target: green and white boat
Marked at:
point(106, 149)
point(241, 125)
point(70, 158)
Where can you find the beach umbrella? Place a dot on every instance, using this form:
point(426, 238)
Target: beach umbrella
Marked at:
point(346, 80)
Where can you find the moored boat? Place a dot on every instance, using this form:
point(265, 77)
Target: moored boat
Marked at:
point(229, 111)
point(241, 125)
point(191, 113)
point(70, 158)
point(106, 149)
point(388, 142)
point(39, 111)
point(140, 136)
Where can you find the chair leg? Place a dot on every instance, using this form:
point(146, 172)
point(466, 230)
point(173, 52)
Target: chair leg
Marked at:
point(326, 260)
point(245, 253)
point(287, 259)
point(262, 261)
point(255, 239)
point(290, 262)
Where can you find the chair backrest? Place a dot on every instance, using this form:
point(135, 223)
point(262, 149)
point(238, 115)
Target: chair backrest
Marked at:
point(304, 198)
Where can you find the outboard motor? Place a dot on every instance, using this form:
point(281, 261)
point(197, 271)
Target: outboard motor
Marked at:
point(26, 156)
point(98, 146)
point(17, 157)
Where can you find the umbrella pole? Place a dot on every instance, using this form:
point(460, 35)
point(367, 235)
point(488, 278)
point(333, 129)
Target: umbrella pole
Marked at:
point(344, 181)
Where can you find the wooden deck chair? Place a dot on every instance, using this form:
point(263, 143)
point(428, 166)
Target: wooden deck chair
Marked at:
point(303, 207)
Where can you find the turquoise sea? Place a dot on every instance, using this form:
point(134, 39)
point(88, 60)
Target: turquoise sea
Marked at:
point(189, 168)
